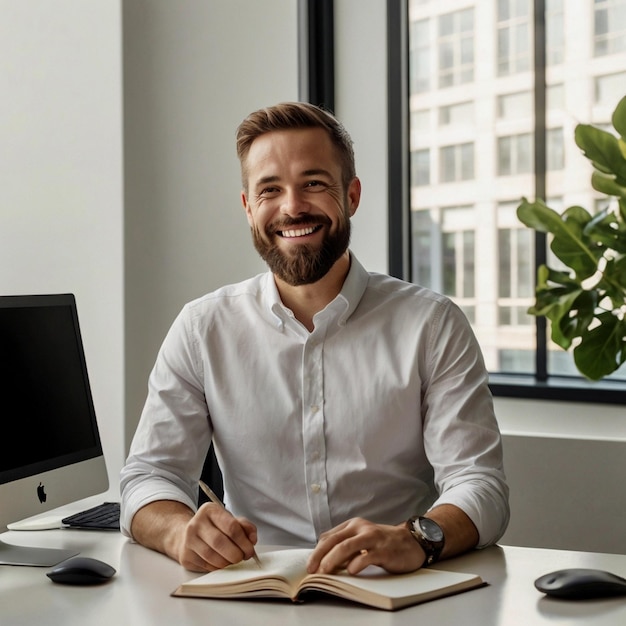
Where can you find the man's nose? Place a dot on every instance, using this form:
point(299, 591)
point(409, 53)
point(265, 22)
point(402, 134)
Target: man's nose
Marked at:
point(295, 202)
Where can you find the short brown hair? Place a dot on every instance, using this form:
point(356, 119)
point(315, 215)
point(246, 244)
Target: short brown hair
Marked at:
point(294, 115)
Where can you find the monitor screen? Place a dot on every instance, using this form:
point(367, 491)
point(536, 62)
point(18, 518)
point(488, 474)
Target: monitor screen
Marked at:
point(50, 449)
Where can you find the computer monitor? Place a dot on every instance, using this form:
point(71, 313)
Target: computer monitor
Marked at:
point(50, 448)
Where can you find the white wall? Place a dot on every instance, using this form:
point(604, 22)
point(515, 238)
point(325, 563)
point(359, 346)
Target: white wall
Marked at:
point(565, 463)
point(61, 178)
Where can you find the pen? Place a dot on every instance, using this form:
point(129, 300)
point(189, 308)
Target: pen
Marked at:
point(213, 497)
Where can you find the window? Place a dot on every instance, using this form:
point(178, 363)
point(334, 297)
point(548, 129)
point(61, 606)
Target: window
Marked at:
point(609, 27)
point(420, 56)
point(555, 153)
point(505, 104)
point(457, 162)
point(456, 114)
point(515, 273)
point(555, 40)
point(610, 88)
point(456, 47)
point(420, 167)
point(444, 243)
point(514, 154)
point(513, 31)
point(513, 106)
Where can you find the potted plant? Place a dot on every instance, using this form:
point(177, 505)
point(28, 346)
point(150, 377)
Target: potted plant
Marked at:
point(586, 304)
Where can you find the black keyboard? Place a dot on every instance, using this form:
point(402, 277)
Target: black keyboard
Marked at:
point(105, 516)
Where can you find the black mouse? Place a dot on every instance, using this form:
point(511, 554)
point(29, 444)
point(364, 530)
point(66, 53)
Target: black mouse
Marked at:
point(81, 570)
point(581, 584)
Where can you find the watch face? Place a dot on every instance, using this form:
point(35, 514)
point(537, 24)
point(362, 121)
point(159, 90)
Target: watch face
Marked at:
point(430, 529)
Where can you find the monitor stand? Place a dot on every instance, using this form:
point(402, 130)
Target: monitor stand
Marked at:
point(26, 555)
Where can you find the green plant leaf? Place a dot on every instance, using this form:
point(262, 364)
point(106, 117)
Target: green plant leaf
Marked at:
point(602, 149)
point(555, 296)
point(605, 183)
point(602, 349)
point(604, 231)
point(619, 118)
point(581, 313)
point(569, 244)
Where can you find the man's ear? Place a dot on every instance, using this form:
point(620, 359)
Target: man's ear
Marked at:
point(354, 195)
point(246, 206)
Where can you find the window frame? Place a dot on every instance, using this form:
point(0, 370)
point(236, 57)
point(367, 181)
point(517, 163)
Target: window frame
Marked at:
point(527, 386)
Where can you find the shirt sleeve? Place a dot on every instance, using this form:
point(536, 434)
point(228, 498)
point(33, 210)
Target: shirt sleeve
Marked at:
point(174, 432)
point(461, 435)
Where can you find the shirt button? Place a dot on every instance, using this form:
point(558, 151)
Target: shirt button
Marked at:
point(315, 488)
point(315, 408)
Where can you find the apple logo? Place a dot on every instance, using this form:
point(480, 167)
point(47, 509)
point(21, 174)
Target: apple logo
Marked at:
point(41, 493)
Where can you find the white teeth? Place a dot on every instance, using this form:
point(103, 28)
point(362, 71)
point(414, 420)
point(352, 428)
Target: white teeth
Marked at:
point(298, 233)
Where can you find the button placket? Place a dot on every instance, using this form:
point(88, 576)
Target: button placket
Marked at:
point(313, 429)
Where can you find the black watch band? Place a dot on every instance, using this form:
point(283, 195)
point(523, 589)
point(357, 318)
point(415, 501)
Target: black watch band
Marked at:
point(429, 535)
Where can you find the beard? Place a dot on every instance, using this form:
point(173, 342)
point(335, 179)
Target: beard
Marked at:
point(306, 263)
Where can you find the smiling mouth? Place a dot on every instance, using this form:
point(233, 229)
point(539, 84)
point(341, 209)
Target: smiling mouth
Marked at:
point(299, 232)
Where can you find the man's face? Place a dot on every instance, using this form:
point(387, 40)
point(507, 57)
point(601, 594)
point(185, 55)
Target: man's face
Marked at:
point(296, 206)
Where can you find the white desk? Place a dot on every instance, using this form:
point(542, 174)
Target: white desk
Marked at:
point(139, 593)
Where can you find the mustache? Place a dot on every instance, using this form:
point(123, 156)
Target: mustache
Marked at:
point(290, 222)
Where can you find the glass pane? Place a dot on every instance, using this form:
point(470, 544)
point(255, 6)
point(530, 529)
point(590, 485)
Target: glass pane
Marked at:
point(422, 248)
point(420, 167)
point(447, 164)
point(467, 161)
point(449, 264)
point(504, 266)
point(468, 265)
point(479, 136)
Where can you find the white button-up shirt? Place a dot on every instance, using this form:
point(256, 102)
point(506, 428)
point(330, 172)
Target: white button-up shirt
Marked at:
point(381, 412)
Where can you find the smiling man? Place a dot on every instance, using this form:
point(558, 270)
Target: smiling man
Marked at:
point(349, 410)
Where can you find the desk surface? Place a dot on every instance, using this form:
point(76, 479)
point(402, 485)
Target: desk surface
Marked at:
point(139, 593)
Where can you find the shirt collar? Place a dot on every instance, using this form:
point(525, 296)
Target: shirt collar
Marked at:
point(350, 295)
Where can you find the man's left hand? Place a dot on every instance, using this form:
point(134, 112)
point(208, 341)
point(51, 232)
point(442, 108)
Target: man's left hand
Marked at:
point(357, 543)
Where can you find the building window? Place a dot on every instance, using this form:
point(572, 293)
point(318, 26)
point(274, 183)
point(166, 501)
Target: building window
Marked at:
point(457, 162)
point(514, 154)
point(555, 34)
point(456, 48)
point(514, 37)
point(420, 53)
point(456, 114)
point(444, 253)
point(514, 106)
point(610, 88)
point(609, 27)
point(420, 167)
point(555, 152)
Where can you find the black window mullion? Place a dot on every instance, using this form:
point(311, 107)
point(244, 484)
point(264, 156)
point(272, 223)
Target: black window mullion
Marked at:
point(399, 210)
point(316, 48)
point(539, 45)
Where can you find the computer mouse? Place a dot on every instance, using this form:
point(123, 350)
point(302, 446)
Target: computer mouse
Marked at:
point(81, 570)
point(581, 584)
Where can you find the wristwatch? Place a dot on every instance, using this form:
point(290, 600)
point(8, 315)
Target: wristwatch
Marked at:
point(429, 535)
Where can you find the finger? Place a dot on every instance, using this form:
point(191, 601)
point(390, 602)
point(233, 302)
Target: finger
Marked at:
point(327, 542)
point(219, 538)
point(362, 559)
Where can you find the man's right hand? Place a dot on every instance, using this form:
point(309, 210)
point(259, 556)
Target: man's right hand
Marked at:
point(210, 539)
point(214, 538)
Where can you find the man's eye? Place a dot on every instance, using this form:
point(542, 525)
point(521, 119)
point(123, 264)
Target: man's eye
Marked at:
point(269, 191)
point(312, 184)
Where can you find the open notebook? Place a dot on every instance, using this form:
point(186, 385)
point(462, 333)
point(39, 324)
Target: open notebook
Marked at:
point(284, 575)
